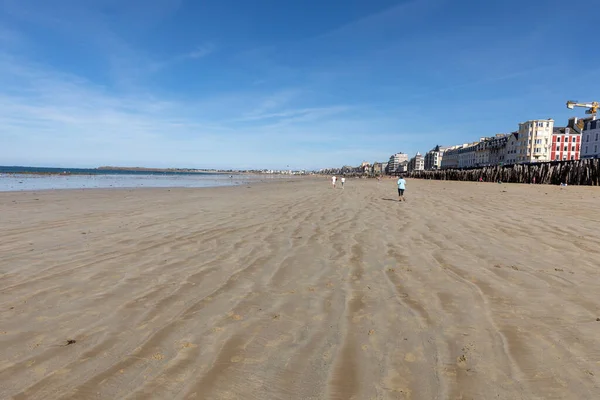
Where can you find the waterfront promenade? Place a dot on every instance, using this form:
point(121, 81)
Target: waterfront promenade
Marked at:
point(295, 290)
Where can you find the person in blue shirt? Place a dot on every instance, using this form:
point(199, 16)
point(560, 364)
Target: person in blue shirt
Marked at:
point(401, 187)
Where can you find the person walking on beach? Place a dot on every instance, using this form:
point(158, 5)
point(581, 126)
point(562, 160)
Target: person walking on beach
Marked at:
point(333, 179)
point(401, 188)
point(343, 180)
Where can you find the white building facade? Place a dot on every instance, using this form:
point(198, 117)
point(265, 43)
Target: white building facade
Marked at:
point(497, 149)
point(535, 140)
point(512, 148)
point(450, 159)
point(467, 156)
point(417, 163)
point(590, 148)
point(395, 161)
point(433, 158)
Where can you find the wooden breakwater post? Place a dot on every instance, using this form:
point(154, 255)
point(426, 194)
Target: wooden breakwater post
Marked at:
point(574, 172)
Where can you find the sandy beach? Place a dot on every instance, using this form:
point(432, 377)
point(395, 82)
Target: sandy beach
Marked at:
point(294, 290)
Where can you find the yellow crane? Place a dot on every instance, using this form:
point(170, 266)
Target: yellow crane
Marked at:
point(592, 107)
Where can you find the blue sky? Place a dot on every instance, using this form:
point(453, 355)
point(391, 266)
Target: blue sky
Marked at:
point(271, 83)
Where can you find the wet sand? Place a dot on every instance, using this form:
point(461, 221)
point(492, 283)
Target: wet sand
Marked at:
point(298, 291)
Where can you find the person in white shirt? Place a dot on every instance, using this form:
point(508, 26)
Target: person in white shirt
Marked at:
point(401, 188)
point(333, 179)
point(343, 180)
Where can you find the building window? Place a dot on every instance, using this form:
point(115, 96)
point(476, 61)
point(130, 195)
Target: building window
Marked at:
point(558, 139)
point(596, 136)
point(572, 157)
point(595, 148)
point(586, 149)
point(572, 148)
point(587, 137)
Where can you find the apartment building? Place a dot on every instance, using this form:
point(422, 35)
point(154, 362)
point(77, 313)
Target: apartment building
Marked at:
point(497, 149)
point(461, 156)
point(433, 158)
point(491, 150)
point(590, 147)
point(402, 168)
point(378, 168)
point(512, 148)
point(534, 141)
point(450, 159)
point(417, 163)
point(467, 156)
point(482, 152)
point(454, 157)
point(566, 144)
point(395, 161)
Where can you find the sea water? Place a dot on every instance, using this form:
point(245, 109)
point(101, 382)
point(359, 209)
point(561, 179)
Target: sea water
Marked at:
point(45, 179)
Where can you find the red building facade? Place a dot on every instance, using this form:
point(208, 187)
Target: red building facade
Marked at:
point(566, 144)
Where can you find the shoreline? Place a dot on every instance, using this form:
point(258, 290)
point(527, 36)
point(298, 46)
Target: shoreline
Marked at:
point(153, 188)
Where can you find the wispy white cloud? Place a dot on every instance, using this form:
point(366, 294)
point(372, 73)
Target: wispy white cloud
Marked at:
point(201, 51)
point(379, 22)
point(53, 118)
point(196, 54)
point(274, 101)
point(296, 114)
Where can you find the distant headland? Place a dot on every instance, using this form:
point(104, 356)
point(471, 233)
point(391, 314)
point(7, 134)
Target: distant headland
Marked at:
point(144, 169)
